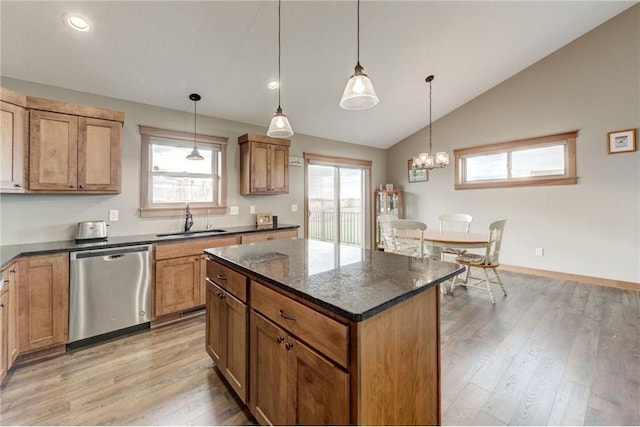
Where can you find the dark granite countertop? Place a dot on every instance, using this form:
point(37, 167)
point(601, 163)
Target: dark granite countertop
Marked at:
point(351, 282)
point(10, 252)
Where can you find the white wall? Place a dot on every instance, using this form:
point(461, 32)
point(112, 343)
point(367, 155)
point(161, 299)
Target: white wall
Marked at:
point(29, 218)
point(593, 228)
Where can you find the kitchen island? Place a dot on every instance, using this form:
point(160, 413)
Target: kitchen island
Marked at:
point(310, 332)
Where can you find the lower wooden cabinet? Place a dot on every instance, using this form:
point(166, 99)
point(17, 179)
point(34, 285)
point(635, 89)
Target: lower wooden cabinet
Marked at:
point(43, 301)
point(226, 334)
point(180, 272)
point(12, 274)
point(4, 323)
point(291, 384)
point(177, 285)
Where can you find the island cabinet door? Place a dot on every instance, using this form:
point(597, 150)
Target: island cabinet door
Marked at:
point(268, 367)
point(318, 390)
point(214, 327)
point(235, 344)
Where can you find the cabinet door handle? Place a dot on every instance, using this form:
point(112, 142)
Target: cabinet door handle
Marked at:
point(71, 186)
point(279, 339)
point(288, 345)
point(286, 316)
point(17, 185)
point(81, 186)
point(6, 281)
point(13, 270)
point(221, 277)
point(2, 305)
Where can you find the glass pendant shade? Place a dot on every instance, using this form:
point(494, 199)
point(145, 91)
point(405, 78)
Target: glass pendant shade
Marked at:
point(195, 154)
point(442, 158)
point(359, 93)
point(279, 126)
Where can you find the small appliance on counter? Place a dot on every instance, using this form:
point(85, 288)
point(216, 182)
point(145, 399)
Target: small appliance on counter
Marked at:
point(91, 231)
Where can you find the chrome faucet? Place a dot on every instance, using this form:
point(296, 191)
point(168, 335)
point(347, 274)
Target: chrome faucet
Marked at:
point(209, 226)
point(188, 221)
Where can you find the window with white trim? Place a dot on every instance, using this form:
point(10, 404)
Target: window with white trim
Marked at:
point(547, 160)
point(169, 180)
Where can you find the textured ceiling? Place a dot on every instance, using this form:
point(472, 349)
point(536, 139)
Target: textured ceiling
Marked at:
point(157, 52)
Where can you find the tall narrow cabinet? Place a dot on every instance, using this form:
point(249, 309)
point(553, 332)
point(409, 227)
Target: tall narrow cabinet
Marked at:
point(388, 202)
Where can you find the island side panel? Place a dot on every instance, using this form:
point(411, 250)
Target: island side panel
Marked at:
point(399, 364)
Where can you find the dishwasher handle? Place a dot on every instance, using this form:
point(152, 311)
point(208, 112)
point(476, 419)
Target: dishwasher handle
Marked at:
point(110, 254)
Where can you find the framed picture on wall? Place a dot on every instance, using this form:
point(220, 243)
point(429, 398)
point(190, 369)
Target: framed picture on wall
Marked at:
point(621, 141)
point(417, 175)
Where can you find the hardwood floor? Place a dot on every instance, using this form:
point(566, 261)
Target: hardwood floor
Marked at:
point(551, 353)
point(158, 377)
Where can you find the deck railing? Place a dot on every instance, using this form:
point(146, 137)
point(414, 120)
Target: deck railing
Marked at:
point(321, 226)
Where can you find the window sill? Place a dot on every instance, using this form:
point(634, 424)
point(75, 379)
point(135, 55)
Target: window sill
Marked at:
point(180, 211)
point(527, 183)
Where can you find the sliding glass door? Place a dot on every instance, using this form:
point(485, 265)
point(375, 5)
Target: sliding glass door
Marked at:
point(336, 203)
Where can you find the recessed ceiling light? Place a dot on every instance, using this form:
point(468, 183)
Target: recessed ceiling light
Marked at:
point(273, 85)
point(76, 22)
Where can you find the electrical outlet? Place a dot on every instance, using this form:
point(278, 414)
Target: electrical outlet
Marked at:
point(234, 210)
point(294, 208)
point(113, 215)
point(539, 252)
point(252, 209)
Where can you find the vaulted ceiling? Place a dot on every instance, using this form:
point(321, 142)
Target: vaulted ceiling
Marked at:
point(158, 52)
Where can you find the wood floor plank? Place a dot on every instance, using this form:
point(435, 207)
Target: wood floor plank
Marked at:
point(465, 408)
point(569, 405)
point(553, 352)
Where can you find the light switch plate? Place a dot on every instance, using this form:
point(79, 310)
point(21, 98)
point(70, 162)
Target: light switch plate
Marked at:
point(113, 215)
point(294, 208)
point(539, 251)
point(252, 209)
point(234, 210)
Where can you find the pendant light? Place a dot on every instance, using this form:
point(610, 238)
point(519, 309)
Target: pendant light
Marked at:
point(426, 160)
point(279, 126)
point(195, 154)
point(359, 93)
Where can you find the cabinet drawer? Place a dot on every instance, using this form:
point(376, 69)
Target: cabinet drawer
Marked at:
point(268, 235)
point(321, 332)
point(193, 246)
point(228, 279)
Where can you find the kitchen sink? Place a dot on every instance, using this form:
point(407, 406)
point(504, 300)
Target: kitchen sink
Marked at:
point(192, 233)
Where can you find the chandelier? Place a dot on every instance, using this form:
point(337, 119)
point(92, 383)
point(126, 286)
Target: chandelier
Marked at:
point(426, 160)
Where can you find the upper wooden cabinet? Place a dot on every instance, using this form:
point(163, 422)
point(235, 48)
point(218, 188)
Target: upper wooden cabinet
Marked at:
point(73, 148)
point(13, 133)
point(264, 164)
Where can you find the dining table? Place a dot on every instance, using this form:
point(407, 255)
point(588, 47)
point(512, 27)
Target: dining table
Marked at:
point(435, 240)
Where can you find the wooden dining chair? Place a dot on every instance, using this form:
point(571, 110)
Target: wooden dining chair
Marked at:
point(489, 261)
point(386, 235)
point(454, 222)
point(408, 237)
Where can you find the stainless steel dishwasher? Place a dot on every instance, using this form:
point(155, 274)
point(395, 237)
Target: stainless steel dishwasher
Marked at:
point(110, 290)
